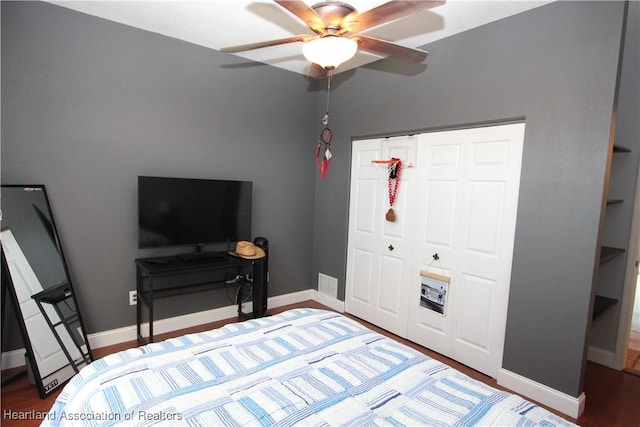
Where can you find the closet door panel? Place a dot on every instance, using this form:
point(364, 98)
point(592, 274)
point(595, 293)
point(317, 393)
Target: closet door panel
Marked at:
point(389, 298)
point(485, 216)
point(436, 232)
point(440, 209)
point(404, 148)
point(485, 249)
point(482, 170)
point(363, 259)
point(363, 271)
point(380, 295)
point(476, 305)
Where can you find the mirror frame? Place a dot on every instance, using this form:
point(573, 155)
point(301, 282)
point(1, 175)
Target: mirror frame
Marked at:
point(44, 390)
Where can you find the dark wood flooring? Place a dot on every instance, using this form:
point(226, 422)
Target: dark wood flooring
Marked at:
point(613, 397)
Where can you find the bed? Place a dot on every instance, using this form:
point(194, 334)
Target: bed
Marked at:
point(305, 367)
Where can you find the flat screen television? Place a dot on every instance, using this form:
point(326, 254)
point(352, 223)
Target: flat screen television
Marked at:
point(197, 212)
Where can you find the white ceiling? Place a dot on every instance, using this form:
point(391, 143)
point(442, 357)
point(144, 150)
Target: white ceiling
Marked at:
point(222, 23)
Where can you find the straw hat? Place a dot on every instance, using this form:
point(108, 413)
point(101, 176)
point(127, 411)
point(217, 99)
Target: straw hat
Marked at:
point(247, 250)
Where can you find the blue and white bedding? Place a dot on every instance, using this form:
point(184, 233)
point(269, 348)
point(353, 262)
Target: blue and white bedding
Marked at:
point(302, 367)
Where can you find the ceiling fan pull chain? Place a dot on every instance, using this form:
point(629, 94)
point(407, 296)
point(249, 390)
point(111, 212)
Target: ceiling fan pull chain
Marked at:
point(325, 120)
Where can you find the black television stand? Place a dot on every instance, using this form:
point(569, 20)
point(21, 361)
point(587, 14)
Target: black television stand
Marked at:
point(163, 277)
point(201, 256)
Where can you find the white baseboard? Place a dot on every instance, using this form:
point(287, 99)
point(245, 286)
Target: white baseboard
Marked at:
point(13, 359)
point(602, 357)
point(332, 303)
point(128, 333)
point(568, 405)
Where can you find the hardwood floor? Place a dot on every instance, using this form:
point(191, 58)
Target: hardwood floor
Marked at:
point(632, 362)
point(613, 397)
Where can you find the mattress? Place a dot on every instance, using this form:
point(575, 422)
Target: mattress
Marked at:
point(303, 367)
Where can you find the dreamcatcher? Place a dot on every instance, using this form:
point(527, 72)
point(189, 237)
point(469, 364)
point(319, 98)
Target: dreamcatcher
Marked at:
point(324, 152)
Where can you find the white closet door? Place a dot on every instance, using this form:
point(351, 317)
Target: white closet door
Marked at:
point(467, 198)
point(379, 252)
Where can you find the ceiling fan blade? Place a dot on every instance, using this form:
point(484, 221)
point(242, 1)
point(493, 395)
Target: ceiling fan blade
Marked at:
point(258, 45)
point(386, 48)
point(387, 12)
point(305, 13)
point(316, 72)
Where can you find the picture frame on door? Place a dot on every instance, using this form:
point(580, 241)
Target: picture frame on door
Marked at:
point(434, 290)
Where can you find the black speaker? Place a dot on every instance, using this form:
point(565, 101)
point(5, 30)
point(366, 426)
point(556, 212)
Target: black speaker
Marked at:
point(261, 279)
point(261, 242)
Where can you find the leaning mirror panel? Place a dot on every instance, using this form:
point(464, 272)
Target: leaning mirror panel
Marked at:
point(38, 280)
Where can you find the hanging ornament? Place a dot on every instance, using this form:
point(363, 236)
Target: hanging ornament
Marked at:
point(392, 183)
point(325, 138)
point(324, 152)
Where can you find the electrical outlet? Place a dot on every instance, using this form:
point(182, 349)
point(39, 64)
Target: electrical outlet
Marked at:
point(133, 297)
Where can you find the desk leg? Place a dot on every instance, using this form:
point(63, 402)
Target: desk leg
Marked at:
point(150, 309)
point(139, 304)
point(260, 287)
point(140, 301)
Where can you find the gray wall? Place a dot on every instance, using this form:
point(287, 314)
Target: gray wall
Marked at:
point(88, 105)
point(555, 66)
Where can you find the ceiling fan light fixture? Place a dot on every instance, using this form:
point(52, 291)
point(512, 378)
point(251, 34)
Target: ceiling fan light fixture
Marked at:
point(329, 51)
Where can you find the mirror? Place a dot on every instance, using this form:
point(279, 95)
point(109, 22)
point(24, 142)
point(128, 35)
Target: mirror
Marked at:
point(35, 272)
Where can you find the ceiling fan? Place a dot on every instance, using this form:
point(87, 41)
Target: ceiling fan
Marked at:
point(338, 26)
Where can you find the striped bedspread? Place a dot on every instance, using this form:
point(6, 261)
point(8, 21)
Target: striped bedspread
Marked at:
point(303, 367)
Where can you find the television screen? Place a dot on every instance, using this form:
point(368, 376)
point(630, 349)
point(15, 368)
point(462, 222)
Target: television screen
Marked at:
point(185, 211)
